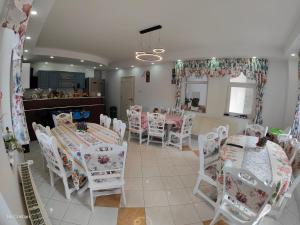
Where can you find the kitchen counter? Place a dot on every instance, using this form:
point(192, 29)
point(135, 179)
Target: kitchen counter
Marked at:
point(40, 110)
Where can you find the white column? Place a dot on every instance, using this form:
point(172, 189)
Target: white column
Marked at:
point(8, 40)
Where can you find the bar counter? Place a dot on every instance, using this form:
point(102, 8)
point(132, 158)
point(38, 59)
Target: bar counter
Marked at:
point(40, 110)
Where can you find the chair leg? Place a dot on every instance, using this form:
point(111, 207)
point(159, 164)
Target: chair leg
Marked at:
point(92, 199)
point(141, 136)
point(215, 219)
point(51, 177)
point(129, 136)
point(67, 190)
point(190, 142)
point(148, 139)
point(123, 196)
point(196, 188)
point(180, 144)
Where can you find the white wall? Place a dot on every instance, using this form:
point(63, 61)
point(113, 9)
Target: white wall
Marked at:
point(62, 67)
point(160, 91)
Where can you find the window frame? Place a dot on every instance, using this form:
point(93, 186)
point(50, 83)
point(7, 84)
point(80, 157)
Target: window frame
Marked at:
point(241, 85)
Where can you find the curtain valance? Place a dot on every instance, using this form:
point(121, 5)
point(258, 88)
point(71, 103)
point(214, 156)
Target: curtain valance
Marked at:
point(253, 68)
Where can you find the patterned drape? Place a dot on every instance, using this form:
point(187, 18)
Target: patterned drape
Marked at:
point(16, 18)
point(253, 68)
point(296, 124)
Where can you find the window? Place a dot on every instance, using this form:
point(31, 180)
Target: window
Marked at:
point(196, 93)
point(241, 96)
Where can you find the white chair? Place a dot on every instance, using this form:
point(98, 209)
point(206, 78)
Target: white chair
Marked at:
point(54, 161)
point(119, 127)
point(223, 132)
point(156, 127)
point(62, 118)
point(290, 147)
point(176, 112)
point(138, 108)
point(104, 165)
point(256, 130)
point(284, 136)
point(245, 198)
point(135, 125)
point(209, 147)
point(105, 121)
point(176, 138)
point(45, 130)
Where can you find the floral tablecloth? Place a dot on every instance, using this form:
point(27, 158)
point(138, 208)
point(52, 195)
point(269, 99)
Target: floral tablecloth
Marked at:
point(270, 164)
point(170, 120)
point(69, 142)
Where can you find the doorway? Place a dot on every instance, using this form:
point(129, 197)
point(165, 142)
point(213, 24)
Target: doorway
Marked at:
point(127, 95)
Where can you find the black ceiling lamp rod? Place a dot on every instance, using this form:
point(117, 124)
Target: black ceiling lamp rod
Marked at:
point(150, 29)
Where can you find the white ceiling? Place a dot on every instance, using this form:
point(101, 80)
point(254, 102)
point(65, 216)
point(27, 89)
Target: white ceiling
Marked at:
point(191, 28)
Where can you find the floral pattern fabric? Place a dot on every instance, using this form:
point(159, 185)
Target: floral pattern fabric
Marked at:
point(17, 15)
point(253, 68)
point(296, 124)
point(69, 141)
point(277, 163)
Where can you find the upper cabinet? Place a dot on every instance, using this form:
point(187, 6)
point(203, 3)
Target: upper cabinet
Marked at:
point(60, 79)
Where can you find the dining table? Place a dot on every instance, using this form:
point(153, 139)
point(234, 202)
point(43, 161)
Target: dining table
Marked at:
point(269, 164)
point(70, 140)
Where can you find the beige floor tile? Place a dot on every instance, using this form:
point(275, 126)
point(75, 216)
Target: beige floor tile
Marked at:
point(103, 215)
point(56, 209)
point(134, 198)
point(185, 170)
point(153, 183)
point(188, 180)
point(133, 183)
point(178, 196)
point(150, 171)
point(166, 170)
point(133, 171)
point(184, 214)
point(205, 211)
point(77, 214)
point(159, 216)
point(172, 182)
point(155, 198)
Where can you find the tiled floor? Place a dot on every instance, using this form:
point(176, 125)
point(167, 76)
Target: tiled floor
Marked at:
point(159, 180)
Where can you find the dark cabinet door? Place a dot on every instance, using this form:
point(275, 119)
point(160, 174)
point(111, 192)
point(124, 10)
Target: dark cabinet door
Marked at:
point(42, 79)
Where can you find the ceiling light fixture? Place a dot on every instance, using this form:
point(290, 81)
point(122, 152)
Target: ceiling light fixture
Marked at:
point(51, 57)
point(94, 67)
point(293, 54)
point(72, 65)
point(254, 57)
point(33, 12)
point(25, 59)
point(28, 37)
point(82, 60)
point(152, 63)
point(26, 50)
point(100, 65)
point(117, 68)
point(46, 62)
point(150, 54)
point(132, 66)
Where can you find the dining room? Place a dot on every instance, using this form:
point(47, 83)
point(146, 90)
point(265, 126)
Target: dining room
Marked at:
point(149, 112)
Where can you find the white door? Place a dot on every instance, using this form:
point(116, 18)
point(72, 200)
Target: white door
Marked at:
point(127, 95)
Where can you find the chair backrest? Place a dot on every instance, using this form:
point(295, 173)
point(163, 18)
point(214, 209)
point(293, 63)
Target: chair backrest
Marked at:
point(256, 130)
point(187, 123)
point(245, 194)
point(138, 108)
point(223, 132)
point(164, 110)
point(290, 146)
point(119, 127)
point(209, 149)
point(41, 128)
point(105, 121)
point(104, 162)
point(156, 124)
point(134, 120)
point(49, 147)
point(62, 118)
point(177, 111)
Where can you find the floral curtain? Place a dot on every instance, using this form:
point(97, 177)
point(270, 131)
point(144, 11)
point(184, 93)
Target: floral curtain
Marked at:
point(16, 18)
point(253, 68)
point(296, 124)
